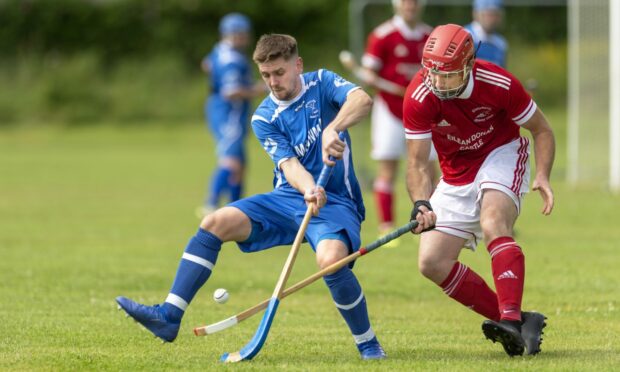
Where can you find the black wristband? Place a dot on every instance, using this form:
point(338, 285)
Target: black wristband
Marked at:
point(416, 210)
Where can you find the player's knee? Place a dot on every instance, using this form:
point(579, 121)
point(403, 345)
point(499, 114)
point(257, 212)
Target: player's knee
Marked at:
point(326, 259)
point(228, 224)
point(494, 227)
point(432, 268)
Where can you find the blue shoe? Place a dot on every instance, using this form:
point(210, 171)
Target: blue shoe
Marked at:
point(152, 318)
point(370, 350)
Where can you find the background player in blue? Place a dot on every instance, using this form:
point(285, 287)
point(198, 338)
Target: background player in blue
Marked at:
point(488, 16)
point(227, 108)
point(298, 125)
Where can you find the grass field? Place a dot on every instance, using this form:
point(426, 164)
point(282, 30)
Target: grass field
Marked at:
point(91, 213)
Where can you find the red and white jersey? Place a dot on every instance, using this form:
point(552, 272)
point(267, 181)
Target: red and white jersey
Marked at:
point(394, 51)
point(464, 130)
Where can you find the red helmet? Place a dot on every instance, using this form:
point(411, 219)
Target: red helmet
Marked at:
point(449, 50)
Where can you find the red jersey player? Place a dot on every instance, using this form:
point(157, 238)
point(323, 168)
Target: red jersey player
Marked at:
point(393, 54)
point(473, 111)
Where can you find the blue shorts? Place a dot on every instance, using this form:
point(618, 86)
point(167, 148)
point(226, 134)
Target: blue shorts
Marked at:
point(229, 129)
point(276, 217)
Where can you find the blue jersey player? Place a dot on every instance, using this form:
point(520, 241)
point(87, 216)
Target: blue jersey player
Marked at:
point(298, 124)
point(227, 107)
point(488, 16)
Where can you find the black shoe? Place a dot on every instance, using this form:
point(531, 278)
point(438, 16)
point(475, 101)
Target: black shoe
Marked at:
point(532, 330)
point(506, 334)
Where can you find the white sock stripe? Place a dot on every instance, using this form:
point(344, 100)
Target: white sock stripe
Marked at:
point(501, 246)
point(364, 337)
point(454, 279)
point(176, 301)
point(496, 252)
point(199, 260)
point(351, 306)
point(457, 277)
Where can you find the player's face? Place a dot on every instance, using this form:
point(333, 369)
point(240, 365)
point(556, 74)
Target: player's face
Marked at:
point(408, 9)
point(240, 40)
point(282, 77)
point(489, 19)
point(447, 84)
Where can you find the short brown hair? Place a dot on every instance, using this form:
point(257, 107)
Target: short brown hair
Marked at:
point(273, 46)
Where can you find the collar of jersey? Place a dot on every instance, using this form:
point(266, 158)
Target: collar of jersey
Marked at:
point(285, 104)
point(470, 87)
point(409, 33)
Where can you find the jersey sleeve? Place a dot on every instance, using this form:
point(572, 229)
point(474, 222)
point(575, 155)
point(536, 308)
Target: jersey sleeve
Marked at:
point(373, 55)
point(272, 139)
point(335, 87)
point(417, 111)
point(521, 107)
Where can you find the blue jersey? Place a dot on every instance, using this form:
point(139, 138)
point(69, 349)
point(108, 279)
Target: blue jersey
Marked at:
point(493, 47)
point(229, 71)
point(294, 128)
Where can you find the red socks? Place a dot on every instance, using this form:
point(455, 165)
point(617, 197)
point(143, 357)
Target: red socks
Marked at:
point(384, 196)
point(508, 267)
point(468, 288)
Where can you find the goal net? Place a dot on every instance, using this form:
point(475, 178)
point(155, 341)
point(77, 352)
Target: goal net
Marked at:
point(593, 98)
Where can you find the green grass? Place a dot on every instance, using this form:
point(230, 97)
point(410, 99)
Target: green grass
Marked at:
point(91, 213)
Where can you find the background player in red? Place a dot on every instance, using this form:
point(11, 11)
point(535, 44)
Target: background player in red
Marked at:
point(473, 111)
point(393, 54)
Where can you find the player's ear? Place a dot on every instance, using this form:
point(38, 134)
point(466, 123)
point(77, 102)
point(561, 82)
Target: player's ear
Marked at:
point(299, 65)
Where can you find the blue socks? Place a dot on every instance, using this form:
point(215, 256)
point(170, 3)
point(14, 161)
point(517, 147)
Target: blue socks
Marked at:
point(220, 183)
point(235, 191)
point(350, 301)
point(194, 269)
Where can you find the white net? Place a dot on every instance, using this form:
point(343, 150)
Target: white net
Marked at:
point(589, 93)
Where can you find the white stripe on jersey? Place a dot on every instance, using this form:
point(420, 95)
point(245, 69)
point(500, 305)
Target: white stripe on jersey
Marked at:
point(494, 76)
point(526, 114)
point(425, 94)
point(410, 134)
point(489, 77)
point(321, 74)
point(346, 160)
point(479, 78)
point(422, 92)
point(259, 118)
point(417, 90)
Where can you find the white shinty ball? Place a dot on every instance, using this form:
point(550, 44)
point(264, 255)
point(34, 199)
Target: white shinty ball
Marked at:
point(220, 295)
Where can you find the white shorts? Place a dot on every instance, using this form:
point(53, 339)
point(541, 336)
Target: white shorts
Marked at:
point(387, 133)
point(506, 169)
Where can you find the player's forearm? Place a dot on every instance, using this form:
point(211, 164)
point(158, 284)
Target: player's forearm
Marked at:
point(544, 152)
point(418, 181)
point(373, 79)
point(544, 143)
point(296, 175)
point(356, 107)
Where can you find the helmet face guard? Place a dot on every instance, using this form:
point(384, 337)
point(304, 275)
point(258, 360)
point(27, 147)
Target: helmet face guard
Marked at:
point(446, 84)
point(447, 60)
